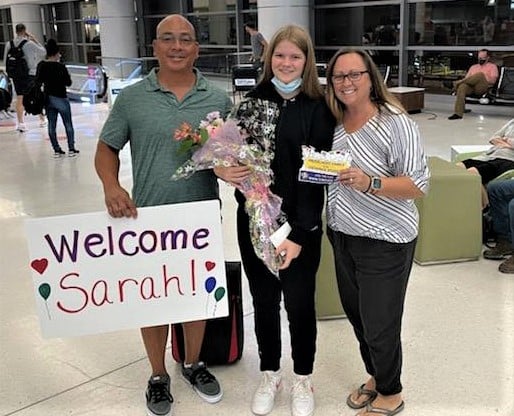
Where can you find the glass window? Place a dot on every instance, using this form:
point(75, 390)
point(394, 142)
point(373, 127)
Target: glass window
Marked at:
point(63, 32)
point(81, 54)
point(150, 24)
point(215, 29)
point(214, 6)
point(348, 26)
point(66, 53)
point(162, 7)
point(324, 2)
point(80, 33)
point(61, 11)
point(457, 23)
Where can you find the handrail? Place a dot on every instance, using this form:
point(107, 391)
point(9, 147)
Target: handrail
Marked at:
point(89, 81)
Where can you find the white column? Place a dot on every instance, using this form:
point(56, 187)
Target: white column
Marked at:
point(117, 35)
point(273, 14)
point(30, 16)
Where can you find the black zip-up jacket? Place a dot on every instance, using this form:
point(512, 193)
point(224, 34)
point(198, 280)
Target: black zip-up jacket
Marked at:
point(302, 121)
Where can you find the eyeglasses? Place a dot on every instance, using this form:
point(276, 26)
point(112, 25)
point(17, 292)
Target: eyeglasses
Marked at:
point(183, 40)
point(352, 76)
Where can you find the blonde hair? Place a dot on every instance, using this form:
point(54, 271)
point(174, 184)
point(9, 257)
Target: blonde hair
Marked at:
point(299, 37)
point(379, 94)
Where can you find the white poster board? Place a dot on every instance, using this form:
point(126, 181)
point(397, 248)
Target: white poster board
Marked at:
point(93, 273)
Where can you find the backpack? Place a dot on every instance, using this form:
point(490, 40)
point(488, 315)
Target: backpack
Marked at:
point(15, 62)
point(34, 100)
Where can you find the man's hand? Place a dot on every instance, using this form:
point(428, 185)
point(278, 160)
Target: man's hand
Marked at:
point(119, 203)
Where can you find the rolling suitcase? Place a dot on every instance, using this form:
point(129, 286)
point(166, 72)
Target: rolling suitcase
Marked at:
point(223, 339)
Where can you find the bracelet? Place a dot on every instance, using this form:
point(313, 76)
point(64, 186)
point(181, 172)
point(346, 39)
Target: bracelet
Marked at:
point(369, 186)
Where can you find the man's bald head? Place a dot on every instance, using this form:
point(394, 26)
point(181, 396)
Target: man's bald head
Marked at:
point(175, 20)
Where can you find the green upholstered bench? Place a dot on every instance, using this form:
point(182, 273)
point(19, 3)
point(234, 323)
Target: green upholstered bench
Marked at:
point(450, 223)
point(328, 304)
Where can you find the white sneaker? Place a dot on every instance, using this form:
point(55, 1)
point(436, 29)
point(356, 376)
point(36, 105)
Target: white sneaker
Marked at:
point(302, 396)
point(264, 397)
point(21, 127)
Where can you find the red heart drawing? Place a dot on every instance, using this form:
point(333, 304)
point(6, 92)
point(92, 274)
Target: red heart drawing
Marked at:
point(209, 265)
point(39, 265)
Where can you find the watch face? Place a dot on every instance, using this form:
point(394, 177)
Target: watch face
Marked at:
point(376, 183)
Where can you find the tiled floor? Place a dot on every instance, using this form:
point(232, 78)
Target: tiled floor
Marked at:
point(458, 329)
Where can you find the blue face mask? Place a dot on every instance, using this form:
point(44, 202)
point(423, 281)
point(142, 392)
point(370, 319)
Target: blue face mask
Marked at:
point(287, 88)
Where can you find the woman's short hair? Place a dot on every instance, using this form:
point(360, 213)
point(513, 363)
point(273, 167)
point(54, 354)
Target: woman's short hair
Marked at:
point(301, 38)
point(378, 93)
point(51, 47)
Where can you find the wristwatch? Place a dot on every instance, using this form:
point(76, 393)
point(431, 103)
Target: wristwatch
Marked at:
point(376, 184)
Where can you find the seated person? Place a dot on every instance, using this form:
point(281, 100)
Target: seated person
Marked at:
point(497, 160)
point(501, 197)
point(479, 78)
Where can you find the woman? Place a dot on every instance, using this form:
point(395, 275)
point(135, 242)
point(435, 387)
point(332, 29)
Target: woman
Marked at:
point(372, 220)
point(55, 78)
point(289, 84)
point(494, 162)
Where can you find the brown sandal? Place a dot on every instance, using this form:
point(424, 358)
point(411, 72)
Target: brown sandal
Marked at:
point(360, 391)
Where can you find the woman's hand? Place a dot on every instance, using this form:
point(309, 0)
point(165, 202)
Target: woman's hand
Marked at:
point(288, 251)
point(232, 174)
point(500, 142)
point(355, 178)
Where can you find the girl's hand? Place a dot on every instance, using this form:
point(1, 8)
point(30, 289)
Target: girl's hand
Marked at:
point(232, 174)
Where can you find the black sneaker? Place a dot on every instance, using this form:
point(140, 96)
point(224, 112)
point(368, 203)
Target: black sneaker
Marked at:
point(501, 251)
point(203, 382)
point(454, 117)
point(158, 396)
point(73, 153)
point(59, 153)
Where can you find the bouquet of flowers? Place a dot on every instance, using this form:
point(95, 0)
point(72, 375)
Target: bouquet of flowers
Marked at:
point(227, 143)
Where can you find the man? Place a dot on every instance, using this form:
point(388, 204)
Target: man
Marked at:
point(259, 45)
point(33, 52)
point(479, 78)
point(501, 208)
point(145, 115)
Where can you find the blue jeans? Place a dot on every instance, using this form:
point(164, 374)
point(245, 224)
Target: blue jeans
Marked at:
point(55, 106)
point(501, 208)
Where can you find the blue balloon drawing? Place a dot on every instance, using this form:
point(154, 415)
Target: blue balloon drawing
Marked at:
point(210, 284)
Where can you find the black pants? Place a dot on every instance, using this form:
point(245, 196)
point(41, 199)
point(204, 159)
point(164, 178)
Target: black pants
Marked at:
point(297, 283)
point(372, 277)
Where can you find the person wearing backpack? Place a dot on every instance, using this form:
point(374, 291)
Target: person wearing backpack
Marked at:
point(54, 77)
point(22, 54)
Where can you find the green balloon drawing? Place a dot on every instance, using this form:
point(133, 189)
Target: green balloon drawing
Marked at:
point(219, 293)
point(44, 290)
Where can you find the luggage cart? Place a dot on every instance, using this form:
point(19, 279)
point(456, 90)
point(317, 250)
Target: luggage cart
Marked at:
point(244, 78)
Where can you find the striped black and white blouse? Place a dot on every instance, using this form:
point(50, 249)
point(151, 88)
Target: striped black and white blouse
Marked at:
point(388, 145)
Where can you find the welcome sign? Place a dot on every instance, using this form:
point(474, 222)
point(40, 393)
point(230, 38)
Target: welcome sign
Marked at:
point(93, 273)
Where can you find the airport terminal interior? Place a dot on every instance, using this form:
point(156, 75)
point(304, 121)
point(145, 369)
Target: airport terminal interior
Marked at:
point(458, 327)
point(458, 332)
